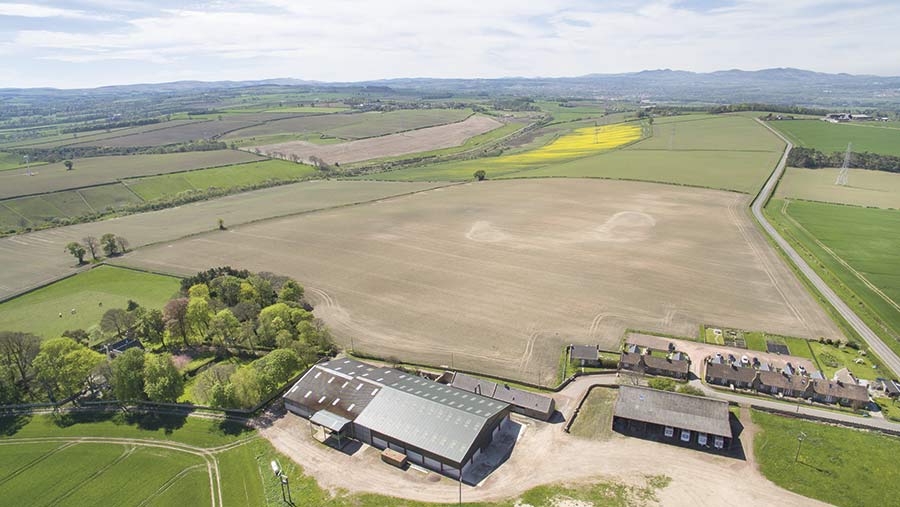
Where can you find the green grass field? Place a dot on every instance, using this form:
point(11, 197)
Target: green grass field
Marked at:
point(157, 187)
point(844, 467)
point(108, 197)
point(830, 137)
point(839, 239)
point(880, 189)
point(594, 420)
point(710, 132)
point(13, 161)
point(38, 312)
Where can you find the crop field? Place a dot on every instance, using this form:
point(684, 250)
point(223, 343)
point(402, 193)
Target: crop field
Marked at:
point(709, 132)
point(156, 187)
point(90, 294)
point(354, 126)
point(580, 142)
point(867, 188)
point(830, 137)
point(96, 136)
point(835, 464)
point(35, 258)
point(856, 251)
point(188, 132)
point(414, 141)
point(98, 170)
point(473, 274)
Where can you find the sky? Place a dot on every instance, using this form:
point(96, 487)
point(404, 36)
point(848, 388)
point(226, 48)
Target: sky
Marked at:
point(86, 43)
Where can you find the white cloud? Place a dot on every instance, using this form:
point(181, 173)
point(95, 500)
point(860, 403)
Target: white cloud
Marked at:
point(351, 40)
point(42, 11)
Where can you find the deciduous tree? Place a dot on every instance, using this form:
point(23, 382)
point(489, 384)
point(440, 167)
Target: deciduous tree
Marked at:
point(92, 245)
point(109, 244)
point(77, 250)
point(162, 381)
point(128, 375)
point(175, 313)
point(63, 366)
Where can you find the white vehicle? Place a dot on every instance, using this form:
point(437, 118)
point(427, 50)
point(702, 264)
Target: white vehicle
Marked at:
point(685, 436)
point(701, 438)
point(719, 442)
point(669, 432)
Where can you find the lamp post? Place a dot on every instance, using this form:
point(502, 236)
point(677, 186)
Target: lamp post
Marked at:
point(800, 438)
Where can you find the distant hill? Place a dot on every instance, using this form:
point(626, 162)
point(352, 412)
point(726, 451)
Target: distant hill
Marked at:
point(785, 86)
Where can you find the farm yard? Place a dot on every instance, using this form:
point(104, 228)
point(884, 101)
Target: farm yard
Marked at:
point(392, 145)
point(878, 189)
point(99, 170)
point(479, 262)
point(833, 137)
point(855, 250)
point(35, 258)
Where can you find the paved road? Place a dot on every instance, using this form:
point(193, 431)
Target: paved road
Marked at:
point(887, 355)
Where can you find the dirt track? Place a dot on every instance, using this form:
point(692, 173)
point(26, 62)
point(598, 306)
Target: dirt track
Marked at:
point(545, 454)
point(497, 276)
point(414, 141)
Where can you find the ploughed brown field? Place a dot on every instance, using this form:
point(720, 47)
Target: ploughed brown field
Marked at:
point(497, 276)
point(403, 143)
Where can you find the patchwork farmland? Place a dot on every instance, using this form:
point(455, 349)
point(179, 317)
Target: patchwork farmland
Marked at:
point(474, 274)
point(414, 141)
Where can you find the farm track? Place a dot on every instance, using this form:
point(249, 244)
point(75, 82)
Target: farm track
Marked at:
point(887, 355)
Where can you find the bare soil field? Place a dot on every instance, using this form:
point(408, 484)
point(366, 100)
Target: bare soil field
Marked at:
point(497, 276)
point(37, 258)
point(413, 141)
point(98, 170)
point(189, 132)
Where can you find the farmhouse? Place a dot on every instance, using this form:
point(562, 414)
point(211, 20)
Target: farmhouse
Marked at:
point(675, 366)
point(730, 375)
point(585, 355)
point(797, 386)
point(437, 426)
point(522, 402)
point(835, 391)
point(664, 415)
point(115, 349)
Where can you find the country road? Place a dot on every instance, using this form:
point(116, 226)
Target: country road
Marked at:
point(887, 355)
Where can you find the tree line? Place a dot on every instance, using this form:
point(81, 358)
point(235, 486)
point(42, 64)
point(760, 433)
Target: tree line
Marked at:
point(811, 158)
point(60, 153)
point(227, 315)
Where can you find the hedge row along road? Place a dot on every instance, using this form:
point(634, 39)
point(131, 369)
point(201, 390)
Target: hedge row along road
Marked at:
point(884, 352)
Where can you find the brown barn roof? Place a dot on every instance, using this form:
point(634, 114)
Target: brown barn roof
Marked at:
point(840, 390)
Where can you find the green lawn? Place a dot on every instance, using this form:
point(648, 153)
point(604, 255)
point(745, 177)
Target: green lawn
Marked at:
point(38, 312)
point(865, 239)
point(880, 189)
point(832, 358)
point(109, 197)
point(157, 187)
point(845, 467)
point(830, 137)
point(594, 420)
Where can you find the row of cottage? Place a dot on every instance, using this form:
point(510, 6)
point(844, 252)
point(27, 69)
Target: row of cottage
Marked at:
point(787, 383)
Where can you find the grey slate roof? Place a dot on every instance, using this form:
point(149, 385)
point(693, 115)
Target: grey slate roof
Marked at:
point(511, 395)
point(329, 420)
point(731, 373)
point(665, 408)
point(588, 352)
point(662, 363)
point(436, 418)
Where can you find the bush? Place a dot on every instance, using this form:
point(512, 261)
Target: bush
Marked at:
point(686, 389)
point(662, 384)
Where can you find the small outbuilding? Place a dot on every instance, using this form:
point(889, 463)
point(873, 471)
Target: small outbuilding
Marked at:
point(585, 355)
point(681, 418)
point(522, 402)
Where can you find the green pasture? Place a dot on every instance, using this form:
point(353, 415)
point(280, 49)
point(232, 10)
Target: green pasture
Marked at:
point(108, 197)
point(840, 466)
point(742, 171)
point(157, 187)
point(38, 311)
point(865, 239)
point(880, 189)
point(829, 137)
point(14, 161)
point(711, 132)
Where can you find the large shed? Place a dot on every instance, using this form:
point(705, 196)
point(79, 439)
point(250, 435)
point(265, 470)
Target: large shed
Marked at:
point(434, 425)
point(693, 420)
point(523, 402)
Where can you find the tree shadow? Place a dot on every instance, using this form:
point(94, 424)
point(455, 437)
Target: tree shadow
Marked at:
point(11, 424)
point(154, 422)
point(66, 419)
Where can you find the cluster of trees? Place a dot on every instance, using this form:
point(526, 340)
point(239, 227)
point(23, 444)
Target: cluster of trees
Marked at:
point(110, 244)
point(109, 125)
point(754, 106)
point(811, 158)
point(230, 385)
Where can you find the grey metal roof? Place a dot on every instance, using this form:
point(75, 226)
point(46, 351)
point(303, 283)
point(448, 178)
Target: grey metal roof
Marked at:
point(511, 395)
point(328, 388)
point(665, 408)
point(588, 352)
point(329, 420)
point(436, 418)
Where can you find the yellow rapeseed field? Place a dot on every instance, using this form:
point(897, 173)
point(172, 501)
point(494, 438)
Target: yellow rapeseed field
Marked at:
point(579, 143)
